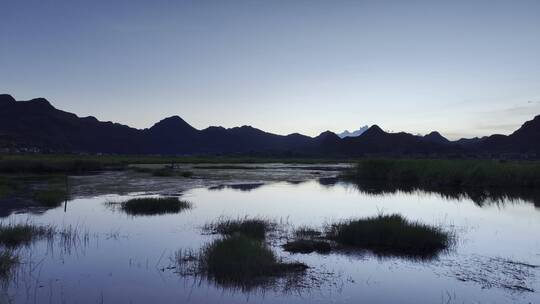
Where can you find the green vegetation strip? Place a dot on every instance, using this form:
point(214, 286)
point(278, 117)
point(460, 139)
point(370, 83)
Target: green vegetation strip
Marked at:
point(442, 173)
point(73, 163)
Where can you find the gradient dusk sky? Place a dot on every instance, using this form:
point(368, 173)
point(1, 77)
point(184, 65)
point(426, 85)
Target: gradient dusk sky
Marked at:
point(465, 68)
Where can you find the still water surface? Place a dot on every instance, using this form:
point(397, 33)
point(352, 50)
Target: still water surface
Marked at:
point(119, 258)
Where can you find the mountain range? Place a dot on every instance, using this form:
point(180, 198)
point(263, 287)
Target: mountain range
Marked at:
point(358, 132)
point(37, 125)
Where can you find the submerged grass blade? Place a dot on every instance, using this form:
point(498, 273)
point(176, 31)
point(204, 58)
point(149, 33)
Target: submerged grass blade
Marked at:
point(14, 235)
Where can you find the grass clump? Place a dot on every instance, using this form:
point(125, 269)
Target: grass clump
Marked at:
point(154, 205)
point(15, 235)
point(239, 260)
point(252, 227)
point(50, 197)
point(391, 235)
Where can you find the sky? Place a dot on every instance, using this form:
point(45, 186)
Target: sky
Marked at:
point(464, 68)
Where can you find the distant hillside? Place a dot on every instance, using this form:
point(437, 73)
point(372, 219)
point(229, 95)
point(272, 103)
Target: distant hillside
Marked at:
point(37, 125)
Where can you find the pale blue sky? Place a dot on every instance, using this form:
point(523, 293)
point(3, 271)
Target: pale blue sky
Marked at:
point(465, 68)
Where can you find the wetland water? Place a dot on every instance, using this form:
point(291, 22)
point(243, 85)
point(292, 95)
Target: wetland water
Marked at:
point(118, 258)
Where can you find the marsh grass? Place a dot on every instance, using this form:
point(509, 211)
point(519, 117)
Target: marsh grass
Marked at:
point(47, 165)
point(167, 172)
point(186, 174)
point(163, 172)
point(307, 232)
point(391, 235)
point(228, 167)
point(25, 185)
point(73, 163)
point(307, 240)
point(154, 205)
point(448, 173)
point(52, 197)
point(15, 235)
point(8, 260)
point(252, 227)
point(241, 261)
point(8, 186)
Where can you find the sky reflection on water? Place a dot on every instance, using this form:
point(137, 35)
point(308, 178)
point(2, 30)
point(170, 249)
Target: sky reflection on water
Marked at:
point(123, 258)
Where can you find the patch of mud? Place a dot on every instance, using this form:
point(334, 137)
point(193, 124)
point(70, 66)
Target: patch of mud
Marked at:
point(124, 182)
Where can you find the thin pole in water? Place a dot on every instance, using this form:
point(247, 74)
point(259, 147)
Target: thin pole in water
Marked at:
point(66, 198)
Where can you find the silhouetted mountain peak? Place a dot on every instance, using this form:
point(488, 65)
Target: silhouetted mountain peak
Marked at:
point(6, 99)
point(328, 135)
point(373, 130)
point(436, 137)
point(214, 129)
point(90, 119)
point(245, 128)
point(173, 123)
point(531, 126)
point(41, 103)
point(524, 139)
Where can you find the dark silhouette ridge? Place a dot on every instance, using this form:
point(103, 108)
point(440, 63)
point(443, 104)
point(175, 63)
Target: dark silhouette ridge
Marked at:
point(373, 131)
point(436, 137)
point(173, 124)
point(37, 125)
point(6, 99)
point(377, 141)
point(524, 140)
